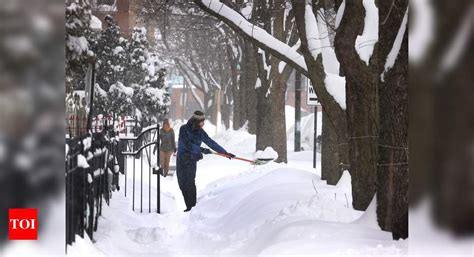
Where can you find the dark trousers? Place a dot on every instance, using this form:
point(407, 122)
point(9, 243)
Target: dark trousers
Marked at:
point(186, 172)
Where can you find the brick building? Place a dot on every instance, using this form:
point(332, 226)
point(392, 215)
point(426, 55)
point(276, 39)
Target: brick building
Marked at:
point(124, 13)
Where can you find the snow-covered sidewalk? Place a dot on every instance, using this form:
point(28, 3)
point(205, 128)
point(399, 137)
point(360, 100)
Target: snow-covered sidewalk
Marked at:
point(271, 209)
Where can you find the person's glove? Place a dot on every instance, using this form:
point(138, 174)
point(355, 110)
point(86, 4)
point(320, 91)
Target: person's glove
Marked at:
point(206, 151)
point(230, 156)
point(175, 150)
point(200, 156)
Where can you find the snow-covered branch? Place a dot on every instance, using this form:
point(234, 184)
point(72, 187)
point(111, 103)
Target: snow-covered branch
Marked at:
point(258, 36)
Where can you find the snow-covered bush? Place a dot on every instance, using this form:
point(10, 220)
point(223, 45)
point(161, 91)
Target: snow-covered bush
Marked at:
point(78, 52)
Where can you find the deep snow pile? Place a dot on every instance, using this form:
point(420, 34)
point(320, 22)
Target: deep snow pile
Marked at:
point(242, 209)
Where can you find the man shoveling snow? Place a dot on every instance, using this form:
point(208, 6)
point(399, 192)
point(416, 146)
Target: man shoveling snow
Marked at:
point(191, 135)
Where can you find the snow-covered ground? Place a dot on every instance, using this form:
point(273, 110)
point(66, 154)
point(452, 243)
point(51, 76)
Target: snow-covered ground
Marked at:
point(242, 210)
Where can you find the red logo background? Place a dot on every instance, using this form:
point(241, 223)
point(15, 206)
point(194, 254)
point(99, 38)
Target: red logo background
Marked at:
point(19, 233)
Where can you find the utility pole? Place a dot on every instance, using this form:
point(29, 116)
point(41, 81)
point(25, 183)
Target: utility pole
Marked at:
point(297, 111)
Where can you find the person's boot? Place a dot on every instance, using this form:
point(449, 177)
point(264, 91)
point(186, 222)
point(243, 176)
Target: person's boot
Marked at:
point(187, 209)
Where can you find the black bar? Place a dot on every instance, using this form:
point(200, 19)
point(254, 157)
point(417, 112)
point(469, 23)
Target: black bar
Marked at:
point(68, 203)
point(297, 111)
point(149, 181)
point(84, 201)
point(125, 171)
point(73, 223)
point(141, 182)
point(99, 206)
point(91, 208)
point(133, 190)
point(157, 165)
point(315, 134)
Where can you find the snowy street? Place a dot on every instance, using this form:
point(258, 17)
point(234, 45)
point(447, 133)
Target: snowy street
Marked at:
point(241, 210)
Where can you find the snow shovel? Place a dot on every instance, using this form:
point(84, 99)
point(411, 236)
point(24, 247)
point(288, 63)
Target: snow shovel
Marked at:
point(258, 161)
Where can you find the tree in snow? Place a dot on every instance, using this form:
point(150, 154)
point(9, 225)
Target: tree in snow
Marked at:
point(361, 86)
point(137, 69)
point(277, 20)
point(317, 48)
point(151, 98)
point(357, 54)
point(185, 27)
point(78, 54)
point(112, 58)
point(152, 102)
point(112, 55)
point(439, 68)
point(392, 169)
point(120, 99)
point(269, 17)
point(330, 92)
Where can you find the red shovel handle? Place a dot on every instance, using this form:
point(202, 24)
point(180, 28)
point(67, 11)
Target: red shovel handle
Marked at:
point(237, 158)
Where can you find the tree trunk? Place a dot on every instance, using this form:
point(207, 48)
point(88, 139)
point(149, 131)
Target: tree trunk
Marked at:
point(208, 109)
point(247, 92)
point(226, 111)
point(235, 89)
point(264, 108)
point(453, 176)
point(277, 98)
point(362, 123)
point(392, 169)
point(237, 108)
point(330, 169)
point(250, 92)
point(362, 106)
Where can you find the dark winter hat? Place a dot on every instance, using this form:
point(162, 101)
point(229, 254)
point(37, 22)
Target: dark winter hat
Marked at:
point(198, 115)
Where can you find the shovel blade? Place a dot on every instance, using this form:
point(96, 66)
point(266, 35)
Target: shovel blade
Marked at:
point(262, 161)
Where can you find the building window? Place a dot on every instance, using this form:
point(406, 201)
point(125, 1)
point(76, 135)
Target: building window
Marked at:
point(104, 5)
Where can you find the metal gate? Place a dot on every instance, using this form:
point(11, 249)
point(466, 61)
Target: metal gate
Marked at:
point(136, 147)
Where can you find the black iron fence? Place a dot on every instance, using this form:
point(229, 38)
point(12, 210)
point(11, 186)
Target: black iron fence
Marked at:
point(92, 173)
point(93, 164)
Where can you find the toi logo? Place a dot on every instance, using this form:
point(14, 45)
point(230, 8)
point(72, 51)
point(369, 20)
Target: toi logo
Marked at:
point(23, 224)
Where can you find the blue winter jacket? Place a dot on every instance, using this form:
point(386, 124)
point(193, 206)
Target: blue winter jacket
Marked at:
point(189, 141)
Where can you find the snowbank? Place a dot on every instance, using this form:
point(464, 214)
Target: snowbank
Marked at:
point(268, 153)
point(242, 210)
